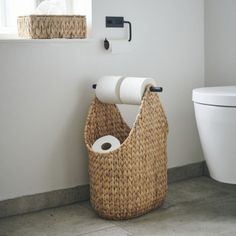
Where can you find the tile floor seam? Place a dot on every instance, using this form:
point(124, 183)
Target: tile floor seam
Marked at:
point(130, 233)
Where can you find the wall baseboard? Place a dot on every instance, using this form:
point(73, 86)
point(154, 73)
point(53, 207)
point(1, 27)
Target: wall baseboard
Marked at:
point(186, 172)
point(57, 198)
point(205, 170)
point(40, 201)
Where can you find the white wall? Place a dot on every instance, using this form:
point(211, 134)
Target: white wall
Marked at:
point(45, 90)
point(220, 38)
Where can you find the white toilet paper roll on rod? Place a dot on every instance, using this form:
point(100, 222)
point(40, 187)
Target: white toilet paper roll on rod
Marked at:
point(108, 89)
point(132, 89)
point(123, 90)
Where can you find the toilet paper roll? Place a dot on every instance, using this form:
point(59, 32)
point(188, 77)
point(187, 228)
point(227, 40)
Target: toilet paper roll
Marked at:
point(108, 89)
point(106, 144)
point(132, 89)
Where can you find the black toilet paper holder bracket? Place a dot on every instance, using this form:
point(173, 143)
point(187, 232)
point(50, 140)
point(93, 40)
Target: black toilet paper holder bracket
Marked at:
point(117, 22)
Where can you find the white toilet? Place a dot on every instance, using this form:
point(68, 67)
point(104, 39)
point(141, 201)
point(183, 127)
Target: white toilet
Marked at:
point(215, 111)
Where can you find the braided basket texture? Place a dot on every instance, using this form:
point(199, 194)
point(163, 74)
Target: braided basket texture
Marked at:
point(52, 26)
point(131, 180)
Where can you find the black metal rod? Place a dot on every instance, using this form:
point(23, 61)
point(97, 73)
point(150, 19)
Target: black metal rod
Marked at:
point(156, 89)
point(152, 89)
point(130, 29)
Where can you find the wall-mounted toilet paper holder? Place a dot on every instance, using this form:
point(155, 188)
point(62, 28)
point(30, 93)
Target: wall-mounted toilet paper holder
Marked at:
point(152, 89)
point(116, 22)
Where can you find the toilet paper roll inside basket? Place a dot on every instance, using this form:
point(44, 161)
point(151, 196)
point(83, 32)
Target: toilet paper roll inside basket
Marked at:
point(132, 89)
point(106, 143)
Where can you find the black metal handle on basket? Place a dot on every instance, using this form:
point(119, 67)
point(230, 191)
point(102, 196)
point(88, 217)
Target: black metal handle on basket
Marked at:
point(152, 89)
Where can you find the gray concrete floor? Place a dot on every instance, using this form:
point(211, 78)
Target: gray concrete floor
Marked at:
point(198, 206)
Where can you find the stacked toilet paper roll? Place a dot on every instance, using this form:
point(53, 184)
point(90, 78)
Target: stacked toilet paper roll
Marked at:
point(133, 88)
point(105, 144)
point(122, 90)
point(108, 89)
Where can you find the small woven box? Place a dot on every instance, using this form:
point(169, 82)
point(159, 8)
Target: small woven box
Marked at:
point(131, 180)
point(52, 26)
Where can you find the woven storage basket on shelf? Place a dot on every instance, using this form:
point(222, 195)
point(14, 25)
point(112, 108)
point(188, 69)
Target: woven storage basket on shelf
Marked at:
point(52, 26)
point(131, 180)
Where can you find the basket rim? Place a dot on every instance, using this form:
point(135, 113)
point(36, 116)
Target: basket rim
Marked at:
point(131, 129)
point(64, 16)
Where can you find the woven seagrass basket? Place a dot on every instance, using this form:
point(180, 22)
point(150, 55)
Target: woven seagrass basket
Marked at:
point(52, 26)
point(131, 180)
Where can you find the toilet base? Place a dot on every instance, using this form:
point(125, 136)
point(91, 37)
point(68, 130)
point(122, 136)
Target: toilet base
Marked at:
point(217, 131)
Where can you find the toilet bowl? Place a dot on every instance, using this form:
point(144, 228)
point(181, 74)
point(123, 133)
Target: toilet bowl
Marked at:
point(215, 111)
